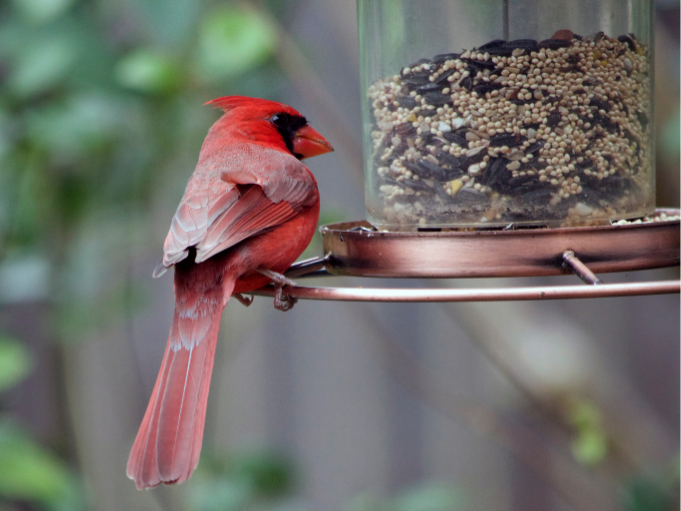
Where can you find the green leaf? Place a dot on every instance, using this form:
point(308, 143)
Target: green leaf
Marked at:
point(149, 71)
point(41, 66)
point(430, 497)
point(648, 493)
point(590, 447)
point(15, 362)
point(366, 501)
point(270, 474)
point(233, 40)
point(71, 128)
point(213, 493)
point(42, 11)
point(29, 472)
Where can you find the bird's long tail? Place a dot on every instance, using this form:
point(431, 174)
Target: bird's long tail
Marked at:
point(168, 443)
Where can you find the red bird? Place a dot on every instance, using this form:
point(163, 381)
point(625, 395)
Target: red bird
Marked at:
point(249, 210)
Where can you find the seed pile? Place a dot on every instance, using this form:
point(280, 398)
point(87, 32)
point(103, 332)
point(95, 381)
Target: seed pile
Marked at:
point(516, 131)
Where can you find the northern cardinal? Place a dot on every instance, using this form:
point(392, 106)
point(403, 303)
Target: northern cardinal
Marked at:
point(249, 210)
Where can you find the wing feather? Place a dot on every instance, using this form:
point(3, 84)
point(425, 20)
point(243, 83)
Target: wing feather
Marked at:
point(252, 193)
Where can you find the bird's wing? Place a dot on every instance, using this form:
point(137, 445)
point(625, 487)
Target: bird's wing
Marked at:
point(259, 193)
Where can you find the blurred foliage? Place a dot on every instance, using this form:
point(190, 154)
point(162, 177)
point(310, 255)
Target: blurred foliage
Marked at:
point(100, 118)
point(653, 491)
point(428, 496)
point(590, 444)
point(29, 471)
point(249, 480)
point(15, 362)
point(100, 111)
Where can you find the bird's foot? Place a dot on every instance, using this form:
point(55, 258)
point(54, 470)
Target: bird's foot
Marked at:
point(244, 300)
point(282, 302)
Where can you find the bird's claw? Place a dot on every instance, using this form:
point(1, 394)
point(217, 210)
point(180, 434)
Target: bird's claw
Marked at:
point(244, 300)
point(282, 302)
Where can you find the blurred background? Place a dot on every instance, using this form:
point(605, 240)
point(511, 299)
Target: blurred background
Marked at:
point(570, 405)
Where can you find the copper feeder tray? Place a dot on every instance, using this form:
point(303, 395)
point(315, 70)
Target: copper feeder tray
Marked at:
point(358, 249)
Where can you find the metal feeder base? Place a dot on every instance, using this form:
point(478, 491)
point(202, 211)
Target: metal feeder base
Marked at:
point(358, 249)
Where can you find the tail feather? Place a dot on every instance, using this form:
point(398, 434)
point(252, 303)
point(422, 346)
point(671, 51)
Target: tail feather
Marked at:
point(179, 407)
point(168, 443)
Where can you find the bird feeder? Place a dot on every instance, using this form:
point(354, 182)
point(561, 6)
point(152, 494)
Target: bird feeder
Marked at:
point(489, 113)
point(504, 138)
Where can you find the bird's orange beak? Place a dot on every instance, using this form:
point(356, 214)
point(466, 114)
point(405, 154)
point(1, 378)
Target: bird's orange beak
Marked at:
point(308, 143)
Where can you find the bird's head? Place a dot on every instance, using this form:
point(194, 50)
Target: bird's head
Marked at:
point(271, 123)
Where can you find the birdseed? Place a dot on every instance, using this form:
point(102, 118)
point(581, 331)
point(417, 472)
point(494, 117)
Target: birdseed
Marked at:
point(552, 132)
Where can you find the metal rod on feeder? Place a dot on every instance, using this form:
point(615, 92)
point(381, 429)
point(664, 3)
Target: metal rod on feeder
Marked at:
point(580, 269)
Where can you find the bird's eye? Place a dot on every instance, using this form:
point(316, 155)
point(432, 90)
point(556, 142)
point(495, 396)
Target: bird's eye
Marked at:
point(278, 120)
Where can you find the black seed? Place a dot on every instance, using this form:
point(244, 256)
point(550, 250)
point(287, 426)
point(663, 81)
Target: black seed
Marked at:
point(431, 170)
point(406, 102)
point(470, 196)
point(573, 59)
point(580, 91)
point(600, 104)
point(425, 112)
point(507, 139)
point(554, 44)
point(441, 192)
point(436, 98)
point(554, 118)
point(465, 162)
point(467, 83)
point(528, 45)
point(416, 169)
point(477, 158)
point(517, 101)
point(417, 185)
point(605, 121)
point(589, 82)
point(524, 70)
point(492, 44)
point(535, 148)
point(484, 88)
point(413, 82)
point(429, 87)
point(448, 159)
point(493, 171)
point(538, 196)
point(553, 99)
point(500, 51)
point(443, 57)
point(630, 42)
point(427, 139)
point(578, 37)
point(456, 138)
point(445, 75)
point(522, 180)
point(480, 65)
point(405, 130)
